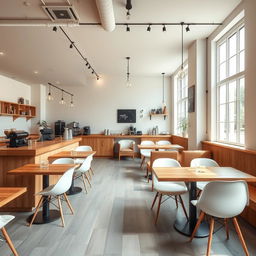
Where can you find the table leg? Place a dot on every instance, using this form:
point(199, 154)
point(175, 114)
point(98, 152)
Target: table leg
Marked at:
point(186, 227)
point(73, 190)
point(46, 215)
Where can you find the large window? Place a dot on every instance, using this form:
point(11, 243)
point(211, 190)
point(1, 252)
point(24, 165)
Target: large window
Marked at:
point(181, 95)
point(230, 86)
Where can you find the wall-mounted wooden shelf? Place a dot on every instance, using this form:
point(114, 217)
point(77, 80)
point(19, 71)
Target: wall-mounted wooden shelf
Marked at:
point(164, 115)
point(17, 110)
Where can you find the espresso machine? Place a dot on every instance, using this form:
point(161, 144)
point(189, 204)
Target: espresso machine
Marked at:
point(17, 139)
point(74, 126)
point(46, 134)
point(87, 130)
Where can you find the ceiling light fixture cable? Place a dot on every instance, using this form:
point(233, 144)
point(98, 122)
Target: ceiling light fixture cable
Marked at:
point(128, 80)
point(182, 72)
point(163, 89)
point(73, 45)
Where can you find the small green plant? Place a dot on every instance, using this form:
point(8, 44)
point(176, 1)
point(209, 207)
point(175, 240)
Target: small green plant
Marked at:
point(183, 126)
point(42, 124)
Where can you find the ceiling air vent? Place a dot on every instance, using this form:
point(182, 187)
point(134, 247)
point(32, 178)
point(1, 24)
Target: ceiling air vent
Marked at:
point(61, 13)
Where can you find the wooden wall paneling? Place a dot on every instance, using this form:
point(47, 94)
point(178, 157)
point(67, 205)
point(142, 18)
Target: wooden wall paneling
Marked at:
point(180, 141)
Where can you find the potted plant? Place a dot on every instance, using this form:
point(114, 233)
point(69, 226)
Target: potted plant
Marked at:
point(183, 126)
point(42, 124)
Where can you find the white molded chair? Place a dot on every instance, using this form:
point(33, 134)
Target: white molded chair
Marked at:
point(80, 160)
point(57, 191)
point(145, 153)
point(164, 142)
point(222, 199)
point(126, 148)
point(175, 189)
point(4, 220)
point(207, 162)
point(81, 172)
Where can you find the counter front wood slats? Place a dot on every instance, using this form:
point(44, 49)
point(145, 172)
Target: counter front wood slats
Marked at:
point(7, 194)
point(46, 215)
point(71, 154)
point(12, 158)
point(193, 175)
point(157, 147)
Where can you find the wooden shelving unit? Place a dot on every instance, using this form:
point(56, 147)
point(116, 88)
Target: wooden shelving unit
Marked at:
point(17, 110)
point(164, 115)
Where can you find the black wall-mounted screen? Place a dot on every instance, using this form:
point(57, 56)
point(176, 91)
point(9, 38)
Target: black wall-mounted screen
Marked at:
point(126, 115)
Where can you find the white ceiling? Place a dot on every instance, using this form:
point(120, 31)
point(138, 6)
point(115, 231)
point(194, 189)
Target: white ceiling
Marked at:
point(39, 48)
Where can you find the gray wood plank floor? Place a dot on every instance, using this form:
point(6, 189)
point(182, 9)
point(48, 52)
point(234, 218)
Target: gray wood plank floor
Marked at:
point(114, 219)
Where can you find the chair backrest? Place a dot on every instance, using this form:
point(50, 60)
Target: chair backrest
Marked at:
point(224, 199)
point(188, 155)
point(64, 183)
point(63, 161)
point(163, 142)
point(162, 154)
point(146, 143)
point(86, 165)
point(126, 143)
point(83, 148)
point(196, 162)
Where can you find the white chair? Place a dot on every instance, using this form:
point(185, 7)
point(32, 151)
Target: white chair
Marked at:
point(175, 189)
point(4, 220)
point(57, 191)
point(126, 148)
point(145, 153)
point(222, 199)
point(207, 162)
point(83, 169)
point(162, 143)
point(80, 160)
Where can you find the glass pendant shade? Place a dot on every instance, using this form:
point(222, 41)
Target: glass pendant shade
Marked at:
point(49, 97)
point(181, 74)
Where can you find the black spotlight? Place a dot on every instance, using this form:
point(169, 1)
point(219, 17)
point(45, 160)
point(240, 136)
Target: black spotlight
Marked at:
point(71, 45)
point(89, 67)
point(86, 64)
point(187, 28)
point(54, 29)
point(164, 28)
point(127, 28)
point(92, 72)
point(149, 28)
point(98, 78)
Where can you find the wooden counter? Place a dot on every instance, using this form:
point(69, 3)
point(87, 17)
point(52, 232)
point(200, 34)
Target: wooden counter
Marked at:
point(11, 158)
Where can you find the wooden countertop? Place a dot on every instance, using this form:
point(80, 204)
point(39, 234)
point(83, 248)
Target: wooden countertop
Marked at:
point(7, 194)
point(126, 136)
point(38, 148)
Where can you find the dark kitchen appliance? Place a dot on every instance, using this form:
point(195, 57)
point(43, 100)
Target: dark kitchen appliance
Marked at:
point(17, 139)
point(74, 126)
point(47, 134)
point(87, 130)
point(59, 128)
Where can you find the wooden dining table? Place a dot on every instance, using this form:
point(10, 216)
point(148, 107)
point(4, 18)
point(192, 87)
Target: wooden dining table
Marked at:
point(46, 215)
point(74, 155)
point(157, 147)
point(192, 176)
point(7, 194)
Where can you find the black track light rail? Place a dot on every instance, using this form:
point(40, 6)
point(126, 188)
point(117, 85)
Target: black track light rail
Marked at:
point(156, 23)
point(61, 89)
point(72, 43)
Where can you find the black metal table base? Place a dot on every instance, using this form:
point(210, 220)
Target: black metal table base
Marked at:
point(183, 227)
point(74, 191)
point(53, 215)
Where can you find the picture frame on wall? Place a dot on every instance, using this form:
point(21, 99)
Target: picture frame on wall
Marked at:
point(191, 99)
point(126, 115)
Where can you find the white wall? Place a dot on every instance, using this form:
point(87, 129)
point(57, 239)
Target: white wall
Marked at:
point(96, 103)
point(11, 90)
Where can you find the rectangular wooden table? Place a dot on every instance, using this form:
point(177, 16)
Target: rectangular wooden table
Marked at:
point(192, 175)
point(157, 147)
point(7, 194)
point(71, 154)
point(46, 215)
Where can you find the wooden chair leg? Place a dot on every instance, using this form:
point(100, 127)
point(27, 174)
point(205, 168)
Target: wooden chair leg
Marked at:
point(88, 179)
point(176, 201)
point(89, 175)
point(68, 203)
point(154, 200)
point(209, 245)
point(9, 241)
point(240, 235)
point(61, 212)
point(91, 170)
point(142, 161)
point(158, 208)
point(183, 206)
point(201, 217)
point(36, 211)
point(85, 188)
point(226, 227)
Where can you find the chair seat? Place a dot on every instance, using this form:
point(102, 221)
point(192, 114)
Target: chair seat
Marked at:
point(194, 202)
point(79, 160)
point(201, 185)
point(47, 191)
point(170, 187)
point(126, 150)
point(146, 154)
point(5, 219)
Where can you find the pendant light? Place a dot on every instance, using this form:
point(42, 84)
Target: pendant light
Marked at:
point(128, 80)
point(163, 74)
point(72, 102)
point(49, 97)
point(62, 102)
point(181, 73)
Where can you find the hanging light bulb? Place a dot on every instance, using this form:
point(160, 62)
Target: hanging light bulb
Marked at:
point(182, 72)
point(72, 102)
point(49, 96)
point(128, 80)
point(62, 102)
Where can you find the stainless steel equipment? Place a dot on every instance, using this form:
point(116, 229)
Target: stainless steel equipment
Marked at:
point(47, 134)
point(74, 126)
